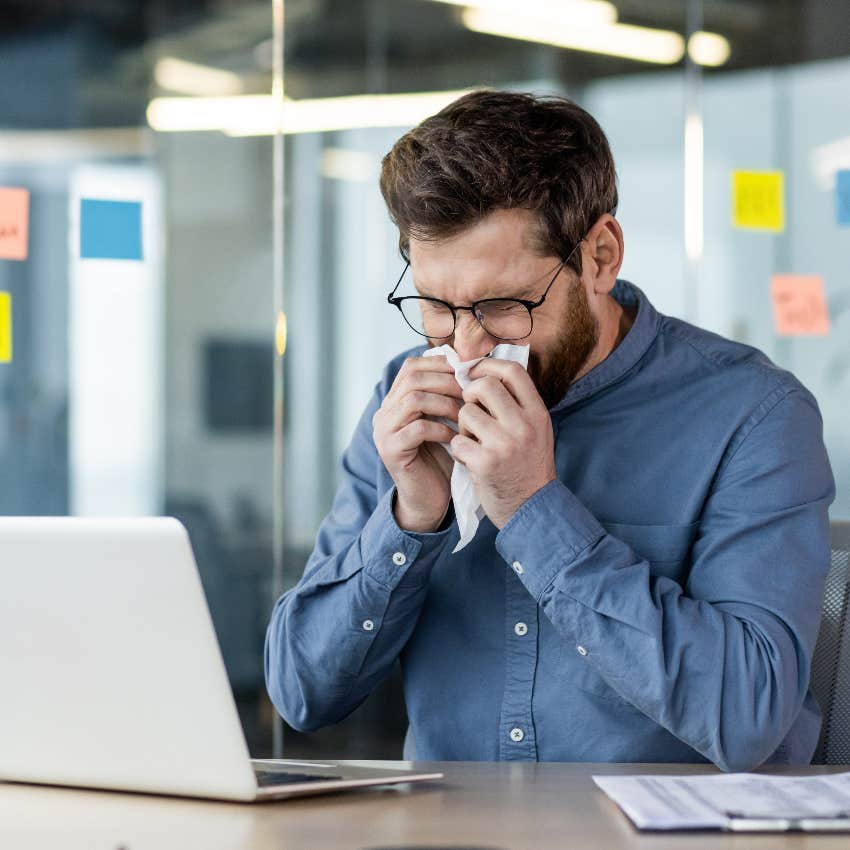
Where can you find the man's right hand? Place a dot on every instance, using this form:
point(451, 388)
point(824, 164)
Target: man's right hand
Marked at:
point(408, 440)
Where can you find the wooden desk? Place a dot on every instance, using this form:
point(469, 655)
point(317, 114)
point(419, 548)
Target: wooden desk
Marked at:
point(512, 806)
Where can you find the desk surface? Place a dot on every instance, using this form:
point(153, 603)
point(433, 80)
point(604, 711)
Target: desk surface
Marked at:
point(516, 806)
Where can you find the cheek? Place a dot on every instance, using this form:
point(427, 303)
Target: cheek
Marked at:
point(544, 338)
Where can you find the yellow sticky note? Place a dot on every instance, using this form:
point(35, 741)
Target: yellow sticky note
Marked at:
point(799, 305)
point(5, 327)
point(758, 200)
point(14, 223)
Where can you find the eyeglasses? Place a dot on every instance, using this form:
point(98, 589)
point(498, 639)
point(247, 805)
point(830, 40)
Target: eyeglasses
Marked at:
point(506, 319)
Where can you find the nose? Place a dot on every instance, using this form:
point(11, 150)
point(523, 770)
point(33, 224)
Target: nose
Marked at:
point(470, 339)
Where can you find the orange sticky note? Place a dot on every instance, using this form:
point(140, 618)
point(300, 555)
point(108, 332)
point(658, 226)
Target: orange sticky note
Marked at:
point(758, 200)
point(14, 223)
point(5, 327)
point(799, 305)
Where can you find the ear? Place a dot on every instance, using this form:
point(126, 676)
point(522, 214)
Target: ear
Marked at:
point(602, 254)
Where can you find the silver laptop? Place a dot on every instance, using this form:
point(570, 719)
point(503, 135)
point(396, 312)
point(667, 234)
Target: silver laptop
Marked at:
point(111, 674)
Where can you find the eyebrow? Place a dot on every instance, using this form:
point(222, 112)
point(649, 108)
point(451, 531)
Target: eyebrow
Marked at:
point(530, 292)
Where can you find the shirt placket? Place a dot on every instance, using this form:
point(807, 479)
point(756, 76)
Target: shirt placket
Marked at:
point(517, 739)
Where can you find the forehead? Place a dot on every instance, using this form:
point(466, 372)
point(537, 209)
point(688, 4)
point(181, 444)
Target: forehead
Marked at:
point(498, 256)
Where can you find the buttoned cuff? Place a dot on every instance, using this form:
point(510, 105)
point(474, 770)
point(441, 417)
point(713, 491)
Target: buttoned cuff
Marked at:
point(545, 535)
point(394, 557)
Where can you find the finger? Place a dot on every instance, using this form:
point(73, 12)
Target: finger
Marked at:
point(473, 420)
point(465, 449)
point(435, 382)
point(416, 405)
point(425, 373)
point(513, 376)
point(492, 394)
point(413, 435)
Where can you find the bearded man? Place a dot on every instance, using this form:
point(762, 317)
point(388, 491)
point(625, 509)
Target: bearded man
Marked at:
point(646, 583)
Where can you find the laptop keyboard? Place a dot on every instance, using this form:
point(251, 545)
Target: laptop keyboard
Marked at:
point(265, 778)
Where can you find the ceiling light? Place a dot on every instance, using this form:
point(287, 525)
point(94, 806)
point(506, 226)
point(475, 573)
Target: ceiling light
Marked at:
point(573, 12)
point(350, 165)
point(260, 115)
point(190, 78)
point(709, 48)
point(827, 160)
point(662, 47)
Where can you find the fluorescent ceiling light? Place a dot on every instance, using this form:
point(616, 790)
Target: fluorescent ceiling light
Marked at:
point(262, 115)
point(828, 159)
point(709, 48)
point(62, 146)
point(183, 77)
point(350, 165)
point(661, 47)
point(573, 12)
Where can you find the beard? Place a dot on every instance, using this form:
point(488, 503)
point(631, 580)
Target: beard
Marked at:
point(554, 369)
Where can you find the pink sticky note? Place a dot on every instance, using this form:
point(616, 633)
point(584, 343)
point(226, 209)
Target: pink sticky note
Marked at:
point(14, 223)
point(799, 305)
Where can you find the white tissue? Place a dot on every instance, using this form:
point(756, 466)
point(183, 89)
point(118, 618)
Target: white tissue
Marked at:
point(468, 508)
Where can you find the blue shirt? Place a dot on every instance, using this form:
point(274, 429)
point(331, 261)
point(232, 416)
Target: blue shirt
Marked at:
point(659, 602)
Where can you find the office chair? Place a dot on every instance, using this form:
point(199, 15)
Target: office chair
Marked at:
point(830, 679)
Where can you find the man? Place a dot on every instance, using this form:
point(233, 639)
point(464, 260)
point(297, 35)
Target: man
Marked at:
point(647, 583)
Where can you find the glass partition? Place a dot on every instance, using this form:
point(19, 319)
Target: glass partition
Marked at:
point(218, 375)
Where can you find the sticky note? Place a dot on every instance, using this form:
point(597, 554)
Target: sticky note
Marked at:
point(758, 200)
point(799, 305)
point(5, 327)
point(14, 223)
point(110, 230)
point(842, 197)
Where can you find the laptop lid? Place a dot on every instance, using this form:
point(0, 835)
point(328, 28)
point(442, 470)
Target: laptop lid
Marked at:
point(110, 668)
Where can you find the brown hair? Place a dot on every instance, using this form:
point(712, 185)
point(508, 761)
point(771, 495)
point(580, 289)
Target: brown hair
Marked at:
point(492, 150)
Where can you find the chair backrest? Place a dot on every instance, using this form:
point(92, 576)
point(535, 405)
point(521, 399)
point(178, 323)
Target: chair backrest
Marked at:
point(830, 680)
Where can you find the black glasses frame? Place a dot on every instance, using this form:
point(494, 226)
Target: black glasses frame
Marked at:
point(529, 305)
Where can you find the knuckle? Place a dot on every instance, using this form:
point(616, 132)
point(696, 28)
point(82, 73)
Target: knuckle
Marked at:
point(489, 461)
point(418, 428)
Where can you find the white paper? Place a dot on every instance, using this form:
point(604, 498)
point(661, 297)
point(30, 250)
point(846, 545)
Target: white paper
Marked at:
point(467, 505)
point(704, 802)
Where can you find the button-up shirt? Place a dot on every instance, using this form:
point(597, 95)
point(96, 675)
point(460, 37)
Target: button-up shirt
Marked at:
point(659, 601)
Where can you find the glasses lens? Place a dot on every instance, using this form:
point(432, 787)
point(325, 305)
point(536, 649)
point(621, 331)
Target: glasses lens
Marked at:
point(429, 318)
point(505, 318)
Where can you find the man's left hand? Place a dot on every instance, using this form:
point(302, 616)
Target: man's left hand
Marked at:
point(505, 438)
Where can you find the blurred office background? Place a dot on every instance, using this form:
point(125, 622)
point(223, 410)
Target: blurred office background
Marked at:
point(149, 388)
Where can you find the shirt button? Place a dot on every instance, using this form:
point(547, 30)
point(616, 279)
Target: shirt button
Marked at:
point(517, 735)
point(368, 625)
point(581, 650)
point(399, 559)
point(517, 567)
point(521, 629)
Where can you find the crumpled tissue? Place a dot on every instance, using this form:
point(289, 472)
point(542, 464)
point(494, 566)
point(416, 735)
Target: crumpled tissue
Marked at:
point(468, 510)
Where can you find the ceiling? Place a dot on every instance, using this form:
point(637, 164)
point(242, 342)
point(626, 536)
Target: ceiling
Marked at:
point(338, 47)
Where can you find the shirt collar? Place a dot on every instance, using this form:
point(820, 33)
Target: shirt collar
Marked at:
point(634, 345)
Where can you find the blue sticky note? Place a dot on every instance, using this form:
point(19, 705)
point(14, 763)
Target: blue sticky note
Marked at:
point(842, 197)
point(110, 230)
